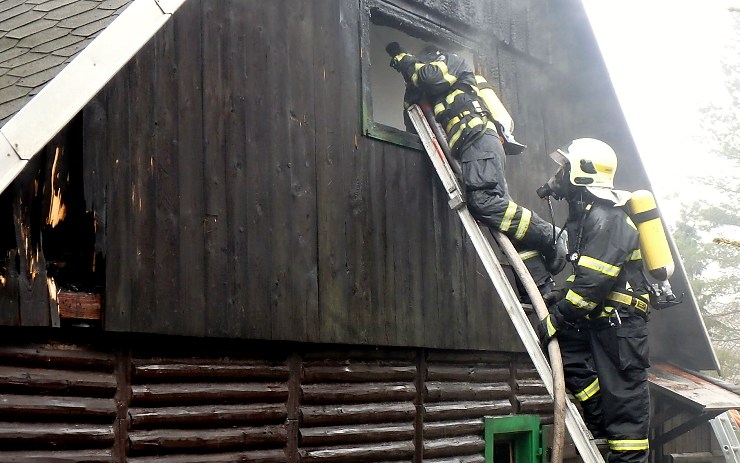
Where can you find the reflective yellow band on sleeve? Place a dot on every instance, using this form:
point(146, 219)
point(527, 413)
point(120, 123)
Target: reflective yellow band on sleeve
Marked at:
point(523, 224)
point(571, 278)
point(450, 98)
point(636, 255)
point(508, 217)
point(623, 445)
point(588, 392)
point(524, 255)
point(599, 266)
point(551, 330)
point(578, 301)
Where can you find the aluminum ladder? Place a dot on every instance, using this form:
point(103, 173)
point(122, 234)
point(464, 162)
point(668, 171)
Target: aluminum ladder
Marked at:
point(580, 435)
point(724, 429)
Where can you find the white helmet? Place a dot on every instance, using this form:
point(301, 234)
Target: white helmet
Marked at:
point(593, 165)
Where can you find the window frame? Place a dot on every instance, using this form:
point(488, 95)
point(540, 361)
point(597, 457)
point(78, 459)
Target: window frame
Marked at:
point(412, 24)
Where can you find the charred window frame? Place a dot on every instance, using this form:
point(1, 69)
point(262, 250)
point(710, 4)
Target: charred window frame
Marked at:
point(381, 23)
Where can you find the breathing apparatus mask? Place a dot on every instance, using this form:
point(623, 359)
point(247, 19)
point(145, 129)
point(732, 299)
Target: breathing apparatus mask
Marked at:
point(558, 186)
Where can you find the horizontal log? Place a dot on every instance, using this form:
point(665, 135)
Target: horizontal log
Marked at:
point(462, 410)
point(479, 374)
point(72, 381)
point(470, 445)
point(442, 429)
point(204, 439)
point(59, 355)
point(30, 407)
point(208, 392)
point(352, 393)
point(86, 306)
point(54, 433)
point(535, 404)
point(57, 456)
point(327, 415)
point(360, 355)
point(169, 371)
point(530, 386)
point(358, 434)
point(478, 458)
point(448, 391)
point(357, 373)
point(256, 456)
point(207, 414)
point(355, 453)
point(527, 372)
point(466, 358)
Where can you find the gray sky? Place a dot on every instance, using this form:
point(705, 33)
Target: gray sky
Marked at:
point(664, 60)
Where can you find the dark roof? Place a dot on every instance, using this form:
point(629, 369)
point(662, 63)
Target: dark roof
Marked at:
point(38, 38)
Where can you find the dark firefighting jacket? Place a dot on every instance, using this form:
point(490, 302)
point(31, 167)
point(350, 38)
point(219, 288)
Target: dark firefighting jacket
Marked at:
point(607, 263)
point(448, 82)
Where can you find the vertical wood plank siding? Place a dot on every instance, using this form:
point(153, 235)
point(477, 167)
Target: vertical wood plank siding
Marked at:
point(124, 398)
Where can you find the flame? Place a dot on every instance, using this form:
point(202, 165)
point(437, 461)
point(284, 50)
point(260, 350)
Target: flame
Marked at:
point(57, 210)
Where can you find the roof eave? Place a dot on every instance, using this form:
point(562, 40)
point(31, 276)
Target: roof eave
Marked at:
point(31, 128)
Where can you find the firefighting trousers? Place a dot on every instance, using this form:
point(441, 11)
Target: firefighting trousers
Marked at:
point(605, 365)
point(483, 175)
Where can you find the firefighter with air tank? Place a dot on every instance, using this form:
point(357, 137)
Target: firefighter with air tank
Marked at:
point(601, 322)
point(478, 132)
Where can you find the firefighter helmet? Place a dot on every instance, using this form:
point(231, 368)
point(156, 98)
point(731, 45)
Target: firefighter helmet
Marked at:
point(591, 164)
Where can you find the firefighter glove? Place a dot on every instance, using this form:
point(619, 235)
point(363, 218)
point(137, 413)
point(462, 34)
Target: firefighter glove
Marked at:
point(548, 327)
point(393, 49)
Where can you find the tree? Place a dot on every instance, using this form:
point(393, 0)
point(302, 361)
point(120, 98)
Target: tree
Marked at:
point(708, 234)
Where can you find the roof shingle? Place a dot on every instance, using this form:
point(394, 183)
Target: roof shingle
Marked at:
point(38, 38)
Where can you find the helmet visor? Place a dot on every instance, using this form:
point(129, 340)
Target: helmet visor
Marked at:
point(559, 156)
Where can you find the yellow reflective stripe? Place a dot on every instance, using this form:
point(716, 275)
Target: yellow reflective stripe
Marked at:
point(551, 330)
point(623, 445)
point(631, 223)
point(636, 255)
point(508, 217)
point(524, 255)
point(450, 98)
point(589, 391)
point(445, 72)
point(492, 126)
point(415, 75)
point(599, 266)
point(400, 56)
point(619, 297)
point(475, 122)
point(457, 136)
point(578, 301)
point(455, 120)
point(523, 224)
point(626, 299)
point(571, 278)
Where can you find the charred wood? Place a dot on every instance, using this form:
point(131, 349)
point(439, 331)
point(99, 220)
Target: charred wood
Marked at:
point(208, 392)
point(342, 435)
point(202, 439)
point(353, 414)
point(207, 415)
point(351, 393)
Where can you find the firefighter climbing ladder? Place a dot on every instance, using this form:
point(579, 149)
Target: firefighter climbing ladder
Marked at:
point(573, 421)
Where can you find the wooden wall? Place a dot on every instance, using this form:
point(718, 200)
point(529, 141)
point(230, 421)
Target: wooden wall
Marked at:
point(77, 397)
point(231, 191)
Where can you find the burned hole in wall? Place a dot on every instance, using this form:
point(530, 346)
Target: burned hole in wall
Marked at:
point(69, 229)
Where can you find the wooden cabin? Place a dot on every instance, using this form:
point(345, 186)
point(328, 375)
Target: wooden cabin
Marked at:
point(219, 243)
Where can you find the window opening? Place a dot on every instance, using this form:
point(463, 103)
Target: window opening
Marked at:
point(383, 87)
